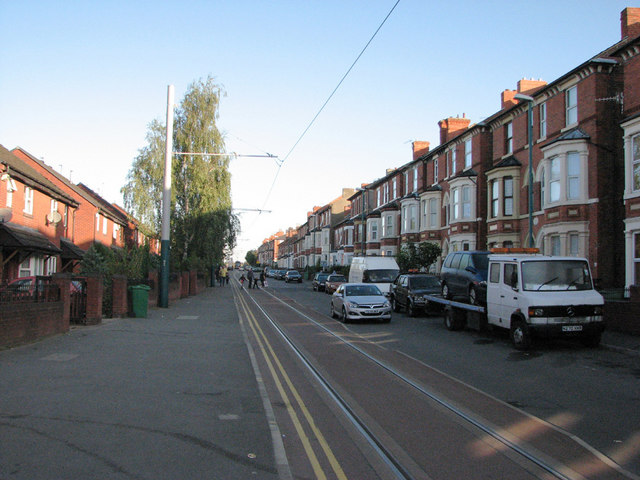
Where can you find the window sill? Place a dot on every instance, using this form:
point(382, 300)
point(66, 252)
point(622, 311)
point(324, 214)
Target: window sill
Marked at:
point(570, 127)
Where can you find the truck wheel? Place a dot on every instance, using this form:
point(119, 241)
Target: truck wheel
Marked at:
point(446, 294)
point(520, 334)
point(452, 320)
point(591, 340)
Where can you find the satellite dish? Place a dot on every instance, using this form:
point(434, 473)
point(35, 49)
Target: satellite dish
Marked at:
point(54, 217)
point(5, 214)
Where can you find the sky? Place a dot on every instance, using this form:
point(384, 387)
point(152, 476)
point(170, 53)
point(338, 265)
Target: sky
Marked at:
point(80, 82)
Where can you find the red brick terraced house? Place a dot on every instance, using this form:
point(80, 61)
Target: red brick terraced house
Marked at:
point(36, 219)
point(475, 191)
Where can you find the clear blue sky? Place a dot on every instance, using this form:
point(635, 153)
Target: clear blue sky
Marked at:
point(80, 82)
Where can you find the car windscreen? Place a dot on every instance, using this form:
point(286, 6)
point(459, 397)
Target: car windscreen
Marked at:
point(556, 275)
point(362, 291)
point(380, 276)
point(424, 282)
point(336, 278)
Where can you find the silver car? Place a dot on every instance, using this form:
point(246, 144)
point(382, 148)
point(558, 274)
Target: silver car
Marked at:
point(360, 301)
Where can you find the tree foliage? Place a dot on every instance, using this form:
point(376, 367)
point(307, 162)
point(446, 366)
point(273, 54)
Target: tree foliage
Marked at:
point(202, 223)
point(251, 257)
point(417, 256)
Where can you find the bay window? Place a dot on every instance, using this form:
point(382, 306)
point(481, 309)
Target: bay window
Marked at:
point(508, 196)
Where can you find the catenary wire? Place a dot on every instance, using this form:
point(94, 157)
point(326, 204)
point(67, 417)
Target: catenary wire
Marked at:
point(282, 161)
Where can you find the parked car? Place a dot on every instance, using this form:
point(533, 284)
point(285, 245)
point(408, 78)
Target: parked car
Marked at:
point(465, 274)
point(409, 289)
point(280, 274)
point(319, 281)
point(293, 276)
point(359, 301)
point(333, 282)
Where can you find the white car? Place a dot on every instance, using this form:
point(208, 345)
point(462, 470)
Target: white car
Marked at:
point(360, 301)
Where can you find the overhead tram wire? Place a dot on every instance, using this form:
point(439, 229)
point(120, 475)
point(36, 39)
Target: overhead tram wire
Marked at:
point(281, 161)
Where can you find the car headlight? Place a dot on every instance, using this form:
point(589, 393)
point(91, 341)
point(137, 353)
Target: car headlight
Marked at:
point(386, 305)
point(352, 304)
point(598, 310)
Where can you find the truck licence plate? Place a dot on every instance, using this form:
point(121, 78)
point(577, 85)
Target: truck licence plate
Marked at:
point(572, 328)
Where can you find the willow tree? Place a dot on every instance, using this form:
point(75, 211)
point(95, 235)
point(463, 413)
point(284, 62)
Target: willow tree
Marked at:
point(202, 222)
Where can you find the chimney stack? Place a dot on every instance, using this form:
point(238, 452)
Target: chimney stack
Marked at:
point(419, 149)
point(507, 99)
point(630, 22)
point(528, 87)
point(451, 127)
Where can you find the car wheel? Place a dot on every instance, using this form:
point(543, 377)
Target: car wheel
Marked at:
point(394, 304)
point(473, 296)
point(446, 294)
point(333, 312)
point(520, 334)
point(411, 309)
point(344, 318)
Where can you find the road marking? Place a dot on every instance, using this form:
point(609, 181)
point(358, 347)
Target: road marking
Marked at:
point(268, 351)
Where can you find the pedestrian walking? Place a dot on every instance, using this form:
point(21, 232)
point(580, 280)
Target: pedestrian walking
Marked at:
point(242, 279)
point(223, 274)
point(262, 278)
point(250, 277)
point(226, 277)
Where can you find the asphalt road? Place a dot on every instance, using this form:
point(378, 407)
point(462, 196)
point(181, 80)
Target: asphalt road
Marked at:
point(592, 393)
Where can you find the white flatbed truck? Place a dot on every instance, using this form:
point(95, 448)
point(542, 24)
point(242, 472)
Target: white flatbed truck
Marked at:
point(533, 295)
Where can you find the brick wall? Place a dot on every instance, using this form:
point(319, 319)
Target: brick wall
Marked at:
point(30, 322)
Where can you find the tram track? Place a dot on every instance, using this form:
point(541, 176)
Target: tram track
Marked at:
point(543, 464)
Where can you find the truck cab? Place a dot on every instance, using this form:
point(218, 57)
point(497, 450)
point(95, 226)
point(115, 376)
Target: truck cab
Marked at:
point(543, 296)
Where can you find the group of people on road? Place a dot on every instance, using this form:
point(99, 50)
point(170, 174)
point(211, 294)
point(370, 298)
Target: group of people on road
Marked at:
point(252, 279)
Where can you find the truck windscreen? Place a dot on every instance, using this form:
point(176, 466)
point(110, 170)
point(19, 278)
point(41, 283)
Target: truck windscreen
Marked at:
point(380, 276)
point(556, 275)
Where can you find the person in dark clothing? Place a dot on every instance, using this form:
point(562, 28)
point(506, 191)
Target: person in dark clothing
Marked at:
point(262, 279)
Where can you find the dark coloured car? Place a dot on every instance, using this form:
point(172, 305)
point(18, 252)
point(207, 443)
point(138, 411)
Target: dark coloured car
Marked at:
point(293, 276)
point(464, 274)
point(319, 281)
point(408, 292)
point(333, 282)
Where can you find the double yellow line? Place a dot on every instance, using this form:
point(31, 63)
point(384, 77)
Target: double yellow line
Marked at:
point(286, 389)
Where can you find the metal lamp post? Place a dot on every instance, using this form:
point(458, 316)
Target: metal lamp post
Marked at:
point(530, 101)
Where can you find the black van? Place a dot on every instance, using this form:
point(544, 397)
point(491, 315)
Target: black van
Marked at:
point(465, 274)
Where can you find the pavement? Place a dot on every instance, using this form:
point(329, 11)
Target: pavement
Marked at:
point(173, 395)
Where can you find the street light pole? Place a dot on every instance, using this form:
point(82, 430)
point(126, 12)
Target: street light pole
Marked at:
point(163, 300)
point(530, 101)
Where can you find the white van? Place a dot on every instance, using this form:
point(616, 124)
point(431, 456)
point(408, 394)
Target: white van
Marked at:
point(381, 271)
